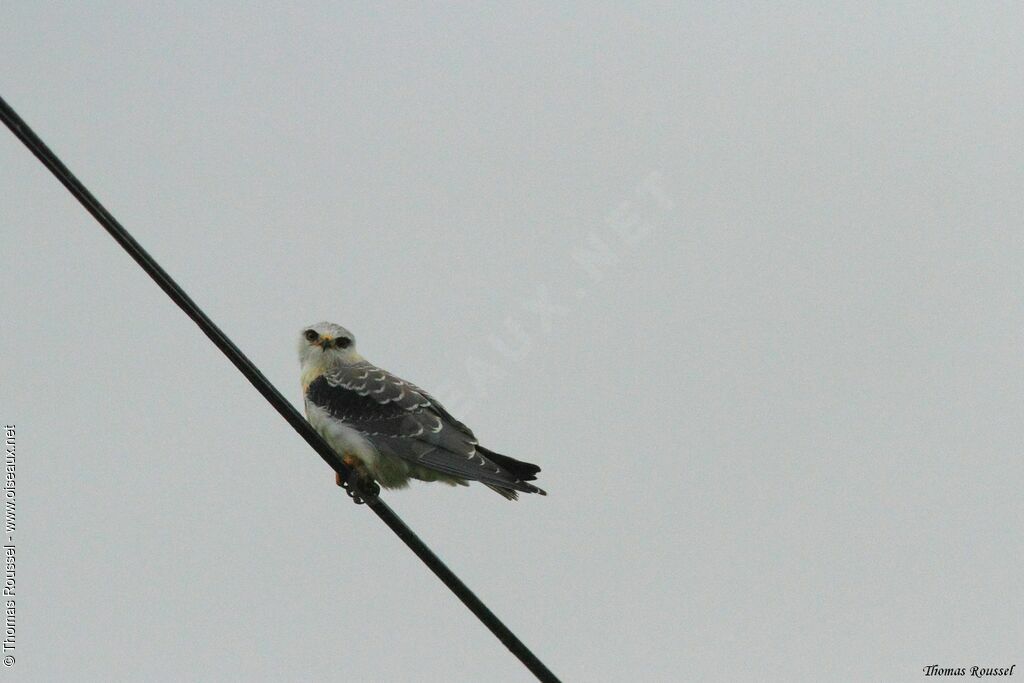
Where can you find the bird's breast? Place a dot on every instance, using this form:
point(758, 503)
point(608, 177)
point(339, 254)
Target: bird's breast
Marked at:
point(342, 438)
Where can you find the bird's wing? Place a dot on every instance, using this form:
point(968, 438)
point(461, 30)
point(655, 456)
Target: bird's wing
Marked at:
point(406, 421)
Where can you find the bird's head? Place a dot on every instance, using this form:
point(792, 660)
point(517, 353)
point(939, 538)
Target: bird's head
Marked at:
point(323, 343)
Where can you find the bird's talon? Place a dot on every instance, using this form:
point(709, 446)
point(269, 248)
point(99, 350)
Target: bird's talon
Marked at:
point(360, 487)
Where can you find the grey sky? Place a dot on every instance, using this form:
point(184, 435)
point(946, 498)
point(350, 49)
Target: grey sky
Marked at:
point(745, 280)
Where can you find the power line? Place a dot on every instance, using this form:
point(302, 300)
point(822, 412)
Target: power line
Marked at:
point(24, 133)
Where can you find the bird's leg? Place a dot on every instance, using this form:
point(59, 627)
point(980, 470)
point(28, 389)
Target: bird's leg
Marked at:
point(350, 462)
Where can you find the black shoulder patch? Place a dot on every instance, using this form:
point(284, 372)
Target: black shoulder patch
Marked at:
point(349, 406)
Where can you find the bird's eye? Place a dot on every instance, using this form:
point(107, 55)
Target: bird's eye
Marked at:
point(311, 335)
point(343, 342)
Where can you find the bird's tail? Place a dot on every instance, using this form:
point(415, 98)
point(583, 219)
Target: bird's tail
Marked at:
point(523, 471)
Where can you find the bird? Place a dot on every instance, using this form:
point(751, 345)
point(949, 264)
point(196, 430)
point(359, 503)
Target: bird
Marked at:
point(388, 430)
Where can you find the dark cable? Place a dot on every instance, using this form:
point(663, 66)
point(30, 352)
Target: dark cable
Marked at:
point(22, 131)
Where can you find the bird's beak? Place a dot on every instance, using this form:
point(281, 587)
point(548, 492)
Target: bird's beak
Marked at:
point(325, 342)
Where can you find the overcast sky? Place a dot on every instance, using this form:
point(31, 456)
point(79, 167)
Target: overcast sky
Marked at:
point(746, 281)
